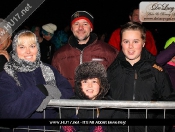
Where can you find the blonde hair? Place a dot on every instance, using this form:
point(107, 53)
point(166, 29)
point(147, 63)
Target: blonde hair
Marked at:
point(29, 37)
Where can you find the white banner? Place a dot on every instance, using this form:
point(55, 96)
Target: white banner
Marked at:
point(157, 11)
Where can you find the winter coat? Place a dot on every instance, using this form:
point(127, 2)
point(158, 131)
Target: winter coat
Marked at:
point(104, 113)
point(59, 39)
point(140, 82)
point(149, 44)
point(22, 102)
point(68, 57)
point(163, 58)
point(44, 50)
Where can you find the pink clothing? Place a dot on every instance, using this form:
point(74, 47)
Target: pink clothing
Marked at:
point(171, 63)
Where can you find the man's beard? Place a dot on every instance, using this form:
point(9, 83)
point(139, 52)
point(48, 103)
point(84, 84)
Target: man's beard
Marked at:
point(82, 39)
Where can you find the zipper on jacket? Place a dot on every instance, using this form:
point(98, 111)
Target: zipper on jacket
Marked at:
point(81, 57)
point(135, 79)
point(81, 52)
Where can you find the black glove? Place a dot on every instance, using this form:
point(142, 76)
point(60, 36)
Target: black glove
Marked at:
point(43, 89)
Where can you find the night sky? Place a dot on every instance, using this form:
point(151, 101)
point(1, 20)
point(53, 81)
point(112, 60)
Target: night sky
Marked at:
point(108, 14)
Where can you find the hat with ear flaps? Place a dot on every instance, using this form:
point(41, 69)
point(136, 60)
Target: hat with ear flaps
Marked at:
point(88, 70)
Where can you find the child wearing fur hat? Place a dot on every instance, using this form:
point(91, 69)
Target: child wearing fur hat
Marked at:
point(90, 84)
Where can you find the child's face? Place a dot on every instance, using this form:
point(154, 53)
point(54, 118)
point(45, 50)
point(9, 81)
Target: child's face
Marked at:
point(90, 87)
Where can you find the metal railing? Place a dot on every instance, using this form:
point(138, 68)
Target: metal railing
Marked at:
point(113, 104)
point(129, 105)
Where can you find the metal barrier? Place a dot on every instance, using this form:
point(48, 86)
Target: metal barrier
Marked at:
point(113, 104)
point(91, 104)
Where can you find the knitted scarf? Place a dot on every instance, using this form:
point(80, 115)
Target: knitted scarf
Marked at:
point(15, 64)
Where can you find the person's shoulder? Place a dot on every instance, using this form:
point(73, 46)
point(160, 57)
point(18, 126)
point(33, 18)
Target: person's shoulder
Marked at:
point(6, 79)
point(109, 49)
point(154, 67)
point(106, 45)
point(114, 64)
point(4, 74)
point(157, 67)
point(62, 53)
point(49, 65)
point(55, 71)
point(150, 61)
point(158, 72)
point(63, 49)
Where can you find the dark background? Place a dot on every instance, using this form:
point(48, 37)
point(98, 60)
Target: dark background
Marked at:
point(108, 15)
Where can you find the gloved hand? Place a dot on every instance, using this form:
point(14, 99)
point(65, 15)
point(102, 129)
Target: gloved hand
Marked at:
point(44, 104)
point(54, 92)
point(43, 89)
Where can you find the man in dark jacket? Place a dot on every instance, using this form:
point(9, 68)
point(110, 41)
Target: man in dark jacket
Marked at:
point(82, 46)
point(134, 76)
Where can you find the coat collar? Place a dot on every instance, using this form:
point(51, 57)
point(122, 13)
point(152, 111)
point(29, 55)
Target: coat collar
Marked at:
point(145, 57)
